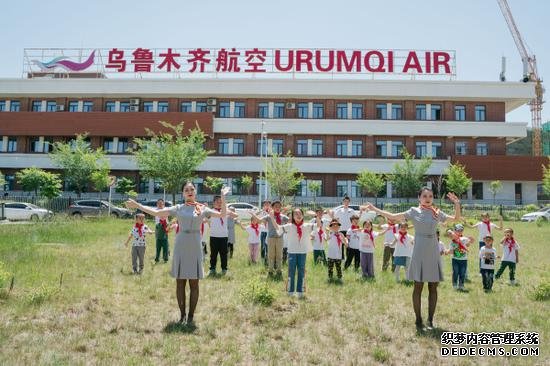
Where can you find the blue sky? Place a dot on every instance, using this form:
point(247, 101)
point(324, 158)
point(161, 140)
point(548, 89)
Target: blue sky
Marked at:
point(474, 28)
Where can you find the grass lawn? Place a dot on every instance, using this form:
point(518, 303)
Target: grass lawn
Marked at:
point(101, 314)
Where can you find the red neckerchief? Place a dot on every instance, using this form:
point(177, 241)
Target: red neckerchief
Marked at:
point(197, 206)
point(256, 228)
point(511, 243)
point(202, 228)
point(488, 223)
point(338, 239)
point(320, 233)
point(299, 229)
point(139, 226)
point(353, 227)
point(221, 218)
point(277, 217)
point(402, 237)
point(370, 234)
point(164, 224)
point(394, 229)
point(461, 246)
point(435, 211)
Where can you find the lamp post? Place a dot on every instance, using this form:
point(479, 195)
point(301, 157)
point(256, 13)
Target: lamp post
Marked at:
point(262, 135)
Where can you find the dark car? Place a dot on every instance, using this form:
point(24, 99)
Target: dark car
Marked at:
point(97, 208)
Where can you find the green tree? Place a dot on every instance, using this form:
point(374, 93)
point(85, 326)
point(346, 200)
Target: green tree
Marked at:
point(214, 184)
point(2, 180)
point(78, 161)
point(100, 179)
point(545, 179)
point(171, 157)
point(457, 180)
point(282, 176)
point(315, 188)
point(125, 186)
point(370, 182)
point(408, 177)
point(39, 181)
point(495, 187)
point(245, 183)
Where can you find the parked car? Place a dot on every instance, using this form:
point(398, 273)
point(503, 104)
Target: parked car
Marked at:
point(25, 211)
point(96, 208)
point(543, 213)
point(242, 209)
point(153, 204)
point(367, 215)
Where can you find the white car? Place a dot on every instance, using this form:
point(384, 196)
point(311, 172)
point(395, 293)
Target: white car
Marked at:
point(25, 211)
point(367, 215)
point(543, 213)
point(243, 209)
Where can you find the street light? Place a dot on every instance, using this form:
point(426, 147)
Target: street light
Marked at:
point(263, 135)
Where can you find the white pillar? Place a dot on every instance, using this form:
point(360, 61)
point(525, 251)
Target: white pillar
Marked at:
point(429, 149)
point(193, 106)
point(231, 109)
point(8, 106)
point(114, 148)
point(43, 106)
point(350, 114)
point(388, 189)
point(117, 106)
point(388, 148)
point(269, 146)
point(80, 106)
point(388, 110)
point(270, 108)
point(4, 143)
point(428, 112)
point(309, 147)
point(155, 106)
point(230, 146)
point(41, 144)
point(350, 146)
point(310, 110)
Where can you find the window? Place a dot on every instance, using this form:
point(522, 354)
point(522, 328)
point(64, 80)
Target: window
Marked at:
point(238, 147)
point(108, 145)
point(436, 112)
point(316, 147)
point(347, 187)
point(381, 111)
point(122, 146)
point(51, 106)
point(480, 112)
point(48, 145)
point(342, 110)
point(223, 146)
point(277, 146)
point(318, 110)
point(148, 106)
point(421, 149)
point(356, 148)
point(263, 110)
point(223, 110)
point(301, 147)
point(12, 144)
point(73, 106)
point(304, 191)
point(87, 106)
point(125, 106)
point(162, 107)
point(37, 106)
point(482, 148)
point(396, 149)
point(239, 110)
point(186, 107)
point(261, 147)
point(437, 149)
point(143, 185)
point(278, 110)
point(477, 190)
point(201, 107)
point(36, 147)
point(382, 149)
point(356, 111)
point(461, 148)
point(460, 112)
point(1, 144)
point(110, 106)
point(396, 111)
point(2, 105)
point(342, 148)
point(421, 111)
point(15, 106)
point(302, 110)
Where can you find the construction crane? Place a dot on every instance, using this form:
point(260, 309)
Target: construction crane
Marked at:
point(530, 74)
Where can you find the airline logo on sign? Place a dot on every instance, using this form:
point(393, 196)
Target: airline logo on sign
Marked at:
point(244, 61)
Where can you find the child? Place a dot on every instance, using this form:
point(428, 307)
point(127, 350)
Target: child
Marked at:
point(487, 255)
point(137, 234)
point(484, 228)
point(459, 229)
point(231, 221)
point(366, 247)
point(219, 235)
point(390, 230)
point(403, 243)
point(510, 255)
point(318, 237)
point(459, 248)
point(253, 230)
point(336, 240)
point(266, 206)
point(352, 252)
point(161, 234)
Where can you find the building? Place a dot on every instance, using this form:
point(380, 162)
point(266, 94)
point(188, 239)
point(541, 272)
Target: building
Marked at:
point(334, 127)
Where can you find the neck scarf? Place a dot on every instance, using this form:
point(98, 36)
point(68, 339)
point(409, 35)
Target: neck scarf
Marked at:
point(338, 239)
point(320, 233)
point(353, 227)
point(394, 228)
point(299, 229)
point(221, 218)
point(202, 228)
point(277, 217)
point(139, 226)
point(164, 224)
point(461, 247)
point(370, 234)
point(256, 228)
point(511, 243)
point(434, 210)
point(488, 223)
point(402, 237)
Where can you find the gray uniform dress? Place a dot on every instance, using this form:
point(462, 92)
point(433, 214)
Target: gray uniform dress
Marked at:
point(425, 263)
point(187, 257)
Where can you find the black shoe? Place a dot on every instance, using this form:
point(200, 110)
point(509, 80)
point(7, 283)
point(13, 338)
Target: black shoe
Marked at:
point(419, 324)
point(190, 321)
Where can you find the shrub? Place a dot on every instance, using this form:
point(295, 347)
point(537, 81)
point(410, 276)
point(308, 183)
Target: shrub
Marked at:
point(380, 354)
point(257, 292)
point(39, 295)
point(542, 292)
point(5, 276)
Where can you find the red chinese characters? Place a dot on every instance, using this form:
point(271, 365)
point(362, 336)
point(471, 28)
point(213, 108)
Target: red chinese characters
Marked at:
point(228, 61)
point(143, 60)
point(169, 60)
point(198, 59)
point(116, 60)
point(255, 59)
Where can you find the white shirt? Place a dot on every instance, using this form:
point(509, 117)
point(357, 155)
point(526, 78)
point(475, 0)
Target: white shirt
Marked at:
point(318, 242)
point(204, 233)
point(263, 228)
point(403, 249)
point(507, 255)
point(334, 250)
point(344, 217)
point(353, 238)
point(482, 229)
point(366, 244)
point(253, 238)
point(389, 236)
point(217, 229)
point(454, 247)
point(137, 240)
point(487, 257)
point(295, 243)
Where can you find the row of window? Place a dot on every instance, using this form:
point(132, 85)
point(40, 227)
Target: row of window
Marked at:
point(264, 110)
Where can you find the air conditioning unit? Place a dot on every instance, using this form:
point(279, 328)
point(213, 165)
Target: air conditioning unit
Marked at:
point(211, 101)
point(134, 101)
point(134, 108)
point(291, 106)
point(211, 109)
point(59, 107)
